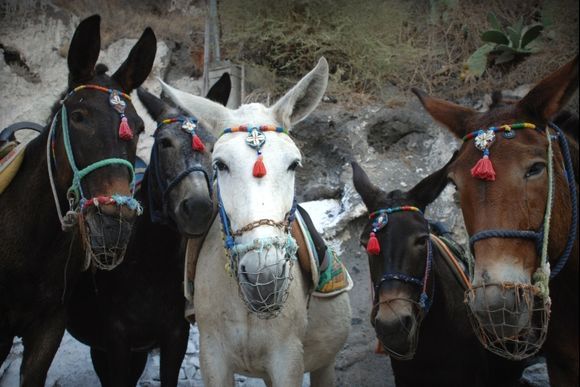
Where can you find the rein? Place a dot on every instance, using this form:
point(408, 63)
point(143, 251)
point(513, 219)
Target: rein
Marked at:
point(75, 195)
point(543, 274)
point(189, 124)
point(380, 220)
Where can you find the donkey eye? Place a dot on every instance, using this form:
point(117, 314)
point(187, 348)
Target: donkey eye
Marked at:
point(165, 143)
point(77, 116)
point(421, 240)
point(294, 165)
point(536, 169)
point(220, 165)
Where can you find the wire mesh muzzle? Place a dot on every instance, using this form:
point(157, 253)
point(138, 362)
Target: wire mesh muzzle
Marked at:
point(514, 324)
point(265, 289)
point(105, 237)
point(412, 332)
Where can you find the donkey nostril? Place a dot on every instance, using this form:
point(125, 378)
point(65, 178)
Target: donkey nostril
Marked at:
point(407, 322)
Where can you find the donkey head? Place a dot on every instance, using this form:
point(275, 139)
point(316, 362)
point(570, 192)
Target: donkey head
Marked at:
point(399, 267)
point(179, 175)
point(255, 159)
point(94, 139)
point(513, 203)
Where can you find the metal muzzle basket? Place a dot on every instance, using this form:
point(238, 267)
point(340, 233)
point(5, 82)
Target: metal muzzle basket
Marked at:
point(515, 327)
point(412, 333)
point(104, 252)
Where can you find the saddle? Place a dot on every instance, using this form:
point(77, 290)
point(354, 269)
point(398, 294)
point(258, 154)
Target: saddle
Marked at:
point(12, 150)
point(457, 259)
point(328, 274)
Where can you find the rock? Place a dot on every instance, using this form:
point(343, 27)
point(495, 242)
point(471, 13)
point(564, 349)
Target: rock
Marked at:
point(536, 375)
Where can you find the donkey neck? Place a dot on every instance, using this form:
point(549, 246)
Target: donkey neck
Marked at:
point(30, 193)
point(156, 240)
point(448, 306)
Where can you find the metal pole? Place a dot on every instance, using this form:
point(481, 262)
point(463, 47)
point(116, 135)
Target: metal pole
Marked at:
point(206, 54)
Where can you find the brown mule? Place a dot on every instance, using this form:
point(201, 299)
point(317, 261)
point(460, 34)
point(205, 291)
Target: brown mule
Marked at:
point(513, 206)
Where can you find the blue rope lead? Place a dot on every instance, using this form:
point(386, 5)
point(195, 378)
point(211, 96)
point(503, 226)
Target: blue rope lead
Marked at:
point(574, 201)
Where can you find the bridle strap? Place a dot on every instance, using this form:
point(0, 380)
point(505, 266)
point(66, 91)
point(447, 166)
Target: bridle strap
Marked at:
point(424, 301)
point(229, 241)
point(506, 233)
point(541, 236)
point(160, 216)
point(75, 195)
point(78, 175)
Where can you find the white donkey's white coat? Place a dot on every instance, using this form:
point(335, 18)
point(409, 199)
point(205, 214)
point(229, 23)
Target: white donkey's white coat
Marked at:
point(304, 337)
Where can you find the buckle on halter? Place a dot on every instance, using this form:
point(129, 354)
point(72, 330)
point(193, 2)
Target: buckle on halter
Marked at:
point(72, 195)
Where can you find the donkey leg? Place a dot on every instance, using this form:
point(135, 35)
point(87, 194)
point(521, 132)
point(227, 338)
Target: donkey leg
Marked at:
point(119, 364)
point(40, 345)
point(113, 366)
point(287, 367)
point(563, 368)
point(138, 363)
point(323, 376)
point(172, 352)
point(215, 369)
point(101, 365)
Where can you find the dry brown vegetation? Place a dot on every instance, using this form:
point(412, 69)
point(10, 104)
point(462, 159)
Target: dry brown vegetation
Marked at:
point(374, 43)
point(375, 47)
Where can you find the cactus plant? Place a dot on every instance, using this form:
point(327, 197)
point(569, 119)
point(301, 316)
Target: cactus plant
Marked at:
point(505, 45)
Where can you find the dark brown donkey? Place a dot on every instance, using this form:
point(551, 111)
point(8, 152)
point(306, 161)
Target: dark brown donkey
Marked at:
point(418, 311)
point(85, 158)
point(503, 174)
point(124, 313)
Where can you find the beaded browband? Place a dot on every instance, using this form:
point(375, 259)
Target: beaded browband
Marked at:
point(380, 219)
point(188, 124)
point(125, 132)
point(256, 139)
point(483, 170)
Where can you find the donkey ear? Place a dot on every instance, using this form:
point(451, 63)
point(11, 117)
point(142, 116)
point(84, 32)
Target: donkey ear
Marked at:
point(303, 98)
point(210, 113)
point(428, 189)
point(133, 72)
point(552, 93)
point(84, 50)
point(154, 105)
point(220, 91)
point(367, 190)
point(453, 116)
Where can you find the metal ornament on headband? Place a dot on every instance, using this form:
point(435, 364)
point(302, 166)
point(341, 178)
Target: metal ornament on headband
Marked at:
point(255, 140)
point(75, 195)
point(483, 139)
point(160, 215)
point(188, 124)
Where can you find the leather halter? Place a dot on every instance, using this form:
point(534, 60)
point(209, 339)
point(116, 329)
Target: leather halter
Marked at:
point(424, 301)
point(75, 195)
point(538, 236)
point(159, 215)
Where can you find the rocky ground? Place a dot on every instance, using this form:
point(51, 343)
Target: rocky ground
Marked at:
point(397, 147)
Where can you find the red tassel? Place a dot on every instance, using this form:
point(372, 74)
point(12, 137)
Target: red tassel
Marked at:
point(196, 143)
point(125, 132)
point(379, 348)
point(373, 246)
point(259, 168)
point(483, 170)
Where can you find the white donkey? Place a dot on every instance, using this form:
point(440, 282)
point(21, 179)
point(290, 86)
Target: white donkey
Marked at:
point(256, 316)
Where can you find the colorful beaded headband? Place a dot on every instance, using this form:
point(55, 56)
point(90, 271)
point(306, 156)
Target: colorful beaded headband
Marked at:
point(188, 124)
point(116, 103)
point(380, 219)
point(483, 139)
point(256, 139)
